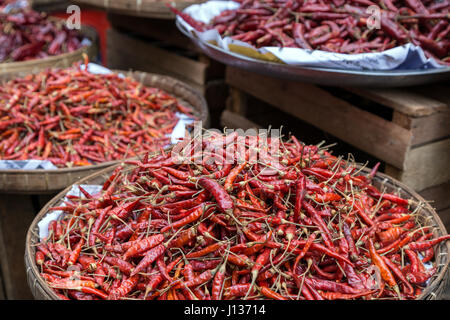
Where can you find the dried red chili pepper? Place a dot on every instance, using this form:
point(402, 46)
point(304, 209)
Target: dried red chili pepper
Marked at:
point(105, 131)
point(157, 241)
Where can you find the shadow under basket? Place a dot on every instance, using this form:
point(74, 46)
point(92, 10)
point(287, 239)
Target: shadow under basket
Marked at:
point(426, 214)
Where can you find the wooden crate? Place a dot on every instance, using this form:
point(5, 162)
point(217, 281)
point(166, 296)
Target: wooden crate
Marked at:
point(126, 51)
point(17, 211)
point(407, 129)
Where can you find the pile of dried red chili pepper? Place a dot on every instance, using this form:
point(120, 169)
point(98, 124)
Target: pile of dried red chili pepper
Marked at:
point(337, 26)
point(72, 117)
point(296, 223)
point(26, 34)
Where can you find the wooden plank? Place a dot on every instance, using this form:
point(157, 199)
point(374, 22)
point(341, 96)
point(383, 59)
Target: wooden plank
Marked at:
point(235, 121)
point(216, 94)
point(237, 102)
point(118, 60)
point(425, 129)
point(372, 134)
point(146, 9)
point(215, 70)
point(406, 101)
point(438, 195)
point(427, 165)
point(16, 215)
point(142, 55)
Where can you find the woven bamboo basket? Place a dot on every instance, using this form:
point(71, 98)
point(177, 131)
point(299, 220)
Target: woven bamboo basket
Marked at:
point(50, 181)
point(14, 69)
point(427, 215)
point(156, 9)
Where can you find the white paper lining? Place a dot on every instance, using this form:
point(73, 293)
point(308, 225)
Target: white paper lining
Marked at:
point(406, 57)
point(56, 215)
point(27, 164)
point(177, 133)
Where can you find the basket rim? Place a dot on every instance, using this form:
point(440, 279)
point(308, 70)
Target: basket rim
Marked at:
point(201, 111)
point(28, 254)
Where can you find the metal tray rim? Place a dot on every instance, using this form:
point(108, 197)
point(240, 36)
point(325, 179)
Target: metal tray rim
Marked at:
point(373, 77)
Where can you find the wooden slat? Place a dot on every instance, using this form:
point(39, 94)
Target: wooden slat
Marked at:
point(235, 121)
point(237, 102)
point(138, 8)
point(406, 101)
point(439, 195)
point(372, 134)
point(427, 128)
point(141, 55)
point(427, 165)
point(16, 215)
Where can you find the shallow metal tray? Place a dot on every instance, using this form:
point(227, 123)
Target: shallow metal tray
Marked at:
point(322, 76)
